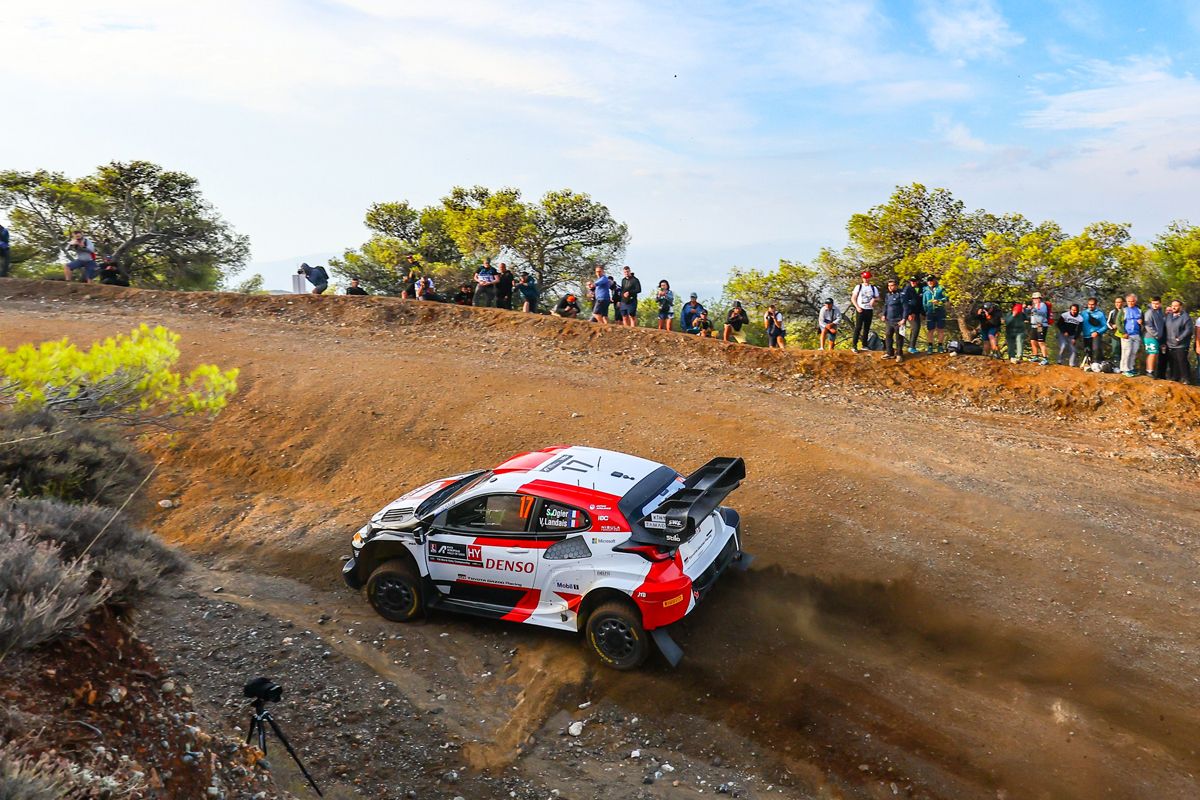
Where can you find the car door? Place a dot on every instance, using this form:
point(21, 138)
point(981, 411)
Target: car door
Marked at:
point(479, 551)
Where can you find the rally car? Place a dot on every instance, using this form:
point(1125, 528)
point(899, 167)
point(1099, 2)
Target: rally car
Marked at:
point(574, 538)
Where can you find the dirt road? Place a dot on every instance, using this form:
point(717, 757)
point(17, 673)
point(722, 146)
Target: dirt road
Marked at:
point(973, 579)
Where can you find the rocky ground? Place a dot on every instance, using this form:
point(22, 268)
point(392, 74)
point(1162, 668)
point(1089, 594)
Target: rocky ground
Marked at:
point(974, 579)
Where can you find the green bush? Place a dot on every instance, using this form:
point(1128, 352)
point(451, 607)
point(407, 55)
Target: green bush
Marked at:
point(128, 560)
point(44, 454)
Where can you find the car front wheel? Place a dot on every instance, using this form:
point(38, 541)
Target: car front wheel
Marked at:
point(614, 631)
point(394, 590)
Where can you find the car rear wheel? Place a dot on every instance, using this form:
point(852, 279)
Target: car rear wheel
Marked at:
point(615, 633)
point(394, 590)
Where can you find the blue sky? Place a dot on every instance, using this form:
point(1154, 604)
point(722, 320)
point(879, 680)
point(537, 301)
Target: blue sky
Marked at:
point(723, 133)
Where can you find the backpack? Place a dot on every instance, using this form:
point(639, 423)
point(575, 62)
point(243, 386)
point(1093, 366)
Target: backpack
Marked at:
point(964, 348)
point(322, 273)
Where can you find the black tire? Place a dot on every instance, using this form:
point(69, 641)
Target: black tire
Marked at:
point(615, 633)
point(395, 592)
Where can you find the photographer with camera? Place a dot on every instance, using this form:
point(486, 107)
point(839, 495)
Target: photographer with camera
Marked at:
point(317, 276)
point(85, 257)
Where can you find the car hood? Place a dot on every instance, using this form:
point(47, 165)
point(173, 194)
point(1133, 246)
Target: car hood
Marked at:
point(400, 514)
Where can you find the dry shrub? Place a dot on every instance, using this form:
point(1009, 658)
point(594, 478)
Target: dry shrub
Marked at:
point(45, 454)
point(129, 560)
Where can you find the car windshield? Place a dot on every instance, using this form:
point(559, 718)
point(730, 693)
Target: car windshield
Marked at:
point(435, 501)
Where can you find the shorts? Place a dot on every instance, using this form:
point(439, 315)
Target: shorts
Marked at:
point(936, 320)
point(600, 309)
point(90, 270)
point(737, 336)
point(665, 315)
point(1151, 345)
point(319, 288)
point(776, 335)
point(1037, 334)
point(627, 309)
point(988, 333)
point(830, 334)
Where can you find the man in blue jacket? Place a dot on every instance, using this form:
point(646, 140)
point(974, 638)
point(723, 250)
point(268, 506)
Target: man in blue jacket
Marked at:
point(1095, 325)
point(691, 311)
point(895, 314)
point(4, 255)
point(317, 276)
point(912, 312)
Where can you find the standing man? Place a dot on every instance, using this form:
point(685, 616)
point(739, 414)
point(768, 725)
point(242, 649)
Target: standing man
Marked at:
point(602, 293)
point(776, 334)
point(354, 288)
point(627, 303)
point(666, 305)
point(1016, 329)
point(691, 310)
point(1070, 327)
point(827, 323)
point(1132, 341)
point(1116, 326)
point(863, 299)
point(912, 302)
point(734, 320)
point(1039, 324)
point(894, 316)
point(317, 276)
point(1154, 322)
point(85, 257)
point(1094, 328)
point(485, 285)
point(933, 302)
point(412, 271)
point(504, 288)
point(1177, 336)
point(529, 293)
point(5, 260)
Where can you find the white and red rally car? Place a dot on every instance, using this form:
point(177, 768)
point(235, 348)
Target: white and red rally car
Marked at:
point(574, 538)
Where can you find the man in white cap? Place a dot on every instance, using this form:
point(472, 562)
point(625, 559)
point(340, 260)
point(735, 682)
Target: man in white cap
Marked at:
point(1039, 324)
point(863, 299)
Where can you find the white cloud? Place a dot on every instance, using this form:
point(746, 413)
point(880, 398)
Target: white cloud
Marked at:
point(968, 29)
point(958, 135)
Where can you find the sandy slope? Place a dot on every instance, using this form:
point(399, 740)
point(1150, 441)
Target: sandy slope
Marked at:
point(974, 580)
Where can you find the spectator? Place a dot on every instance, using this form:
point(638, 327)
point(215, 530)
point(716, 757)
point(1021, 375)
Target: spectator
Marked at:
point(1196, 339)
point(933, 303)
point(627, 300)
point(412, 273)
point(701, 326)
point(894, 316)
point(989, 329)
point(691, 310)
point(912, 301)
point(463, 296)
point(567, 306)
point(426, 290)
point(1016, 331)
point(485, 285)
point(1070, 327)
point(5, 255)
point(827, 323)
point(529, 293)
point(111, 275)
point(602, 290)
point(776, 333)
point(317, 276)
point(863, 298)
point(1154, 322)
point(666, 305)
point(1116, 326)
point(504, 288)
point(354, 288)
point(734, 320)
point(85, 258)
point(1094, 328)
point(1178, 333)
point(1039, 324)
point(1131, 326)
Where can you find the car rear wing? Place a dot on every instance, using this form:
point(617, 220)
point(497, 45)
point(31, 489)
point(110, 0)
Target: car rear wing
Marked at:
point(676, 519)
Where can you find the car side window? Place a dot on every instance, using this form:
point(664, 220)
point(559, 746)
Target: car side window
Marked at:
point(558, 518)
point(507, 513)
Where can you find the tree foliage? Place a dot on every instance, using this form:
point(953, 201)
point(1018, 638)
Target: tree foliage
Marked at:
point(399, 230)
point(1172, 268)
point(126, 379)
point(154, 222)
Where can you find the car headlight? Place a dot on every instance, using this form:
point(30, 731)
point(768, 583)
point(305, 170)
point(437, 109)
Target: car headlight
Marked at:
point(363, 534)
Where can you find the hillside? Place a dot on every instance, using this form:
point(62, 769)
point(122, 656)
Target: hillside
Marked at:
point(974, 580)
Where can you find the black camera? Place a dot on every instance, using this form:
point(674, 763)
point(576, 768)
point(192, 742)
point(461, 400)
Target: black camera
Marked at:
point(263, 689)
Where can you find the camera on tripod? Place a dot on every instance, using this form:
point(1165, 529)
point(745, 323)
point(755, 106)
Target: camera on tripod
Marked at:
point(264, 689)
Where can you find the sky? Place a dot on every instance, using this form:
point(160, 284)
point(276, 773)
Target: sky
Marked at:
point(724, 134)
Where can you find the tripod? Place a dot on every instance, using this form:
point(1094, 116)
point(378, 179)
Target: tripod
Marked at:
point(257, 719)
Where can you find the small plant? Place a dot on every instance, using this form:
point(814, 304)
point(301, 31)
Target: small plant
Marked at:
point(124, 379)
point(23, 777)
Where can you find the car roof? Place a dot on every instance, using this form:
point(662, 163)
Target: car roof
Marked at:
point(604, 472)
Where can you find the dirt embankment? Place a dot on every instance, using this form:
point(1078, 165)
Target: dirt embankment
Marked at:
point(977, 579)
